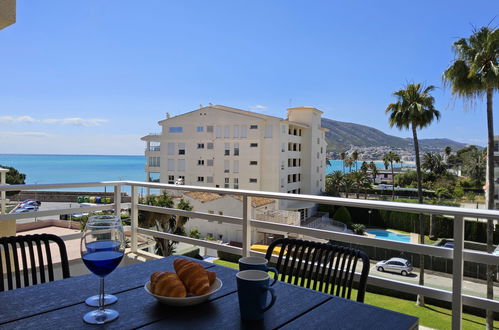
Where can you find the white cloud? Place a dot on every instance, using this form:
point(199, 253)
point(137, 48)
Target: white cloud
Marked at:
point(32, 134)
point(260, 107)
point(62, 121)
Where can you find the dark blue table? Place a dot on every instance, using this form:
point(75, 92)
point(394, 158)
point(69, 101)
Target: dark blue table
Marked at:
point(60, 305)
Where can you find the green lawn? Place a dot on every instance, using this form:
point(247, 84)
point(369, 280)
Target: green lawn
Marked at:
point(429, 316)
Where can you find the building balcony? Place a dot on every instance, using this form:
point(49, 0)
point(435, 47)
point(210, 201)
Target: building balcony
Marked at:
point(277, 222)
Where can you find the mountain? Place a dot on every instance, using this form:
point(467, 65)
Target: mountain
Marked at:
point(342, 136)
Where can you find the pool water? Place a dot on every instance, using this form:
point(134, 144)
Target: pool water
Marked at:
point(389, 235)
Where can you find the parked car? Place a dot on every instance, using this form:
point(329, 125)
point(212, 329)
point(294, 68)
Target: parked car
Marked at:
point(449, 245)
point(397, 265)
point(30, 202)
point(26, 208)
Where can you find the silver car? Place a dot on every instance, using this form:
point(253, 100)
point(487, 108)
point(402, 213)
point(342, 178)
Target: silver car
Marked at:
point(397, 265)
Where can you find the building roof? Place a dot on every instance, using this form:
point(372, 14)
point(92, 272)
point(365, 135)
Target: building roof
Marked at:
point(256, 201)
point(225, 108)
point(205, 197)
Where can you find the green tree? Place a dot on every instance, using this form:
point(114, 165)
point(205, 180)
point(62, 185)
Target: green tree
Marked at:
point(333, 182)
point(447, 151)
point(358, 178)
point(343, 157)
point(433, 163)
point(347, 183)
point(355, 157)
point(173, 224)
point(13, 176)
point(348, 163)
point(415, 110)
point(475, 73)
point(374, 171)
point(388, 159)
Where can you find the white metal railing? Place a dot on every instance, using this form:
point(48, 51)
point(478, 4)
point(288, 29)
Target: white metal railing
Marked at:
point(457, 254)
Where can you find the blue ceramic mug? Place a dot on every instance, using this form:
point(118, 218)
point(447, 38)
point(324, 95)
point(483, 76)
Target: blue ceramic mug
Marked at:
point(257, 263)
point(252, 288)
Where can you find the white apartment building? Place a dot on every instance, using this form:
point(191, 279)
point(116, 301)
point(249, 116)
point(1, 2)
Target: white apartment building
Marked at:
point(496, 173)
point(219, 146)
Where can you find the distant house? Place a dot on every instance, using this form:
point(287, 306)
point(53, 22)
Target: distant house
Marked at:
point(385, 176)
point(230, 205)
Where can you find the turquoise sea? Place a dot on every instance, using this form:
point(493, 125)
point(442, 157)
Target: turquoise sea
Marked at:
point(337, 165)
point(91, 168)
point(76, 168)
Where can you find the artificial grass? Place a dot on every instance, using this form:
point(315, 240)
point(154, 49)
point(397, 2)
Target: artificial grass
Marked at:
point(429, 316)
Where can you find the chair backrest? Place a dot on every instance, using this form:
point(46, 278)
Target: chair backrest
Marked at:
point(29, 258)
point(318, 266)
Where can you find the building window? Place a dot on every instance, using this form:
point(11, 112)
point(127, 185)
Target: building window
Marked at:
point(318, 141)
point(211, 212)
point(236, 166)
point(200, 178)
point(171, 179)
point(181, 165)
point(226, 184)
point(209, 145)
point(253, 126)
point(175, 129)
point(200, 162)
point(252, 180)
point(283, 129)
point(226, 166)
point(171, 165)
point(226, 132)
point(209, 129)
point(283, 147)
point(299, 161)
point(200, 145)
point(181, 148)
point(171, 149)
point(209, 162)
point(299, 146)
point(154, 161)
point(199, 129)
point(299, 132)
point(268, 131)
point(220, 213)
point(236, 131)
point(244, 131)
point(253, 162)
point(253, 145)
point(227, 149)
point(209, 179)
point(218, 131)
point(318, 156)
point(236, 149)
point(236, 183)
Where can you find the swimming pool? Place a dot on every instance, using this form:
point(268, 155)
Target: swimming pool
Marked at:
point(389, 235)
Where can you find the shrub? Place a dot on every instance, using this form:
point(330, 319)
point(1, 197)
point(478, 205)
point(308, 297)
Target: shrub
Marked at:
point(358, 228)
point(343, 215)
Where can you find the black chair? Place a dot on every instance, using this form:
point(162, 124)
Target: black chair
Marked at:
point(322, 267)
point(33, 261)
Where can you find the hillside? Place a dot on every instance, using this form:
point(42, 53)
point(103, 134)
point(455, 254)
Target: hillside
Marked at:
point(342, 135)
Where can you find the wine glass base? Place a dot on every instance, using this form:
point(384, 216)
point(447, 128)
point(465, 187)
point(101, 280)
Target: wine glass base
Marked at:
point(93, 301)
point(101, 316)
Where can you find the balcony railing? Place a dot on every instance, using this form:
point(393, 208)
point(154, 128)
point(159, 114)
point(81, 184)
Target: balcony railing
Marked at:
point(457, 254)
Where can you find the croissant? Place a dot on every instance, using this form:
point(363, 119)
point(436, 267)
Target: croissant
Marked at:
point(168, 285)
point(211, 276)
point(193, 275)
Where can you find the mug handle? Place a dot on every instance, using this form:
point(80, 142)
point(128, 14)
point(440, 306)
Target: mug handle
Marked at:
point(276, 274)
point(272, 293)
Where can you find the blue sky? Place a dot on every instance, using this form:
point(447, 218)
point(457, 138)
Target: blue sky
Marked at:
point(92, 77)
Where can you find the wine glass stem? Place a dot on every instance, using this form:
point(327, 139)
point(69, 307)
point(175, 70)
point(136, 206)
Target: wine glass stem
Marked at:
point(101, 294)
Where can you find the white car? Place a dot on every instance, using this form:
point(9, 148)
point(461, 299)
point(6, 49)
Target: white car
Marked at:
point(397, 265)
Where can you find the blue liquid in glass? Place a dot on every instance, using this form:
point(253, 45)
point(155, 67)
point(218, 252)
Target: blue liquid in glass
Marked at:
point(101, 263)
point(103, 246)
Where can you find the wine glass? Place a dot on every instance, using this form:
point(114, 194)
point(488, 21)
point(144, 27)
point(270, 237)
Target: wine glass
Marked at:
point(109, 299)
point(102, 248)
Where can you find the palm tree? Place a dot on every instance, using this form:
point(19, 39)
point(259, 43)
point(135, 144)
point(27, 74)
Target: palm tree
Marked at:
point(414, 109)
point(342, 157)
point(475, 73)
point(374, 171)
point(433, 163)
point(447, 151)
point(348, 163)
point(355, 157)
point(358, 178)
point(333, 183)
point(347, 183)
point(389, 158)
